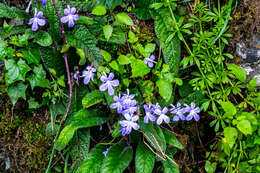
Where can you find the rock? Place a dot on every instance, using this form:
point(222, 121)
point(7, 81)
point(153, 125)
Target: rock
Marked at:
point(250, 58)
point(4, 159)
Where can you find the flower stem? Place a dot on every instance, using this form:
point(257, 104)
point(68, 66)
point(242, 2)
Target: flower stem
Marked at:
point(70, 88)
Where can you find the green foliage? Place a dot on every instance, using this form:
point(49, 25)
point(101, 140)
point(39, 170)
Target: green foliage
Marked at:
point(117, 159)
point(43, 38)
point(17, 91)
point(144, 159)
point(124, 18)
point(92, 98)
point(12, 12)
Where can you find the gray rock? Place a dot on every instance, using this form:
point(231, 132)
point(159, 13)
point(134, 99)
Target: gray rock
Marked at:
point(250, 58)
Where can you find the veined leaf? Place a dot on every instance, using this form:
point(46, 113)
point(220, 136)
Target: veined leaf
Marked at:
point(165, 88)
point(43, 38)
point(124, 18)
point(17, 91)
point(237, 71)
point(38, 78)
point(139, 68)
point(117, 159)
point(171, 50)
point(12, 12)
point(171, 139)
point(80, 37)
point(107, 29)
point(92, 98)
point(144, 159)
point(81, 119)
point(15, 71)
point(93, 161)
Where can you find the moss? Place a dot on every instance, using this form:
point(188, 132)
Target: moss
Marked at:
point(26, 141)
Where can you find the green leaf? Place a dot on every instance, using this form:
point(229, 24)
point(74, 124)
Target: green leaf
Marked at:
point(32, 56)
point(149, 48)
point(251, 85)
point(81, 119)
point(230, 134)
point(124, 18)
point(139, 68)
point(92, 98)
point(65, 136)
point(154, 136)
point(93, 161)
point(33, 104)
point(171, 51)
point(106, 55)
point(237, 71)
point(5, 50)
point(12, 12)
point(114, 65)
point(123, 60)
point(43, 38)
point(245, 127)
point(229, 108)
point(99, 10)
point(111, 4)
point(53, 20)
point(165, 89)
point(210, 167)
point(80, 37)
point(65, 48)
point(141, 50)
point(131, 37)
point(171, 139)
point(117, 159)
point(81, 143)
point(85, 20)
point(107, 29)
point(16, 91)
point(144, 159)
point(38, 78)
point(169, 167)
point(15, 71)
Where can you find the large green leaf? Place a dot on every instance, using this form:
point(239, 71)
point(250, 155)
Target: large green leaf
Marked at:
point(144, 159)
point(245, 127)
point(93, 161)
point(139, 68)
point(80, 37)
point(92, 98)
point(31, 55)
point(229, 108)
point(110, 4)
point(16, 91)
point(124, 18)
point(12, 12)
point(117, 159)
point(171, 50)
point(154, 136)
point(99, 10)
point(16, 71)
point(169, 167)
point(5, 50)
point(43, 38)
point(81, 143)
point(81, 119)
point(165, 88)
point(49, 11)
point(38, 78)
point(171, 139)
point(237, 71)
point(230, 134)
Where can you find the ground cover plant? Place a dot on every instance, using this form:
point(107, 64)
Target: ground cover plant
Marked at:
point(128, 86)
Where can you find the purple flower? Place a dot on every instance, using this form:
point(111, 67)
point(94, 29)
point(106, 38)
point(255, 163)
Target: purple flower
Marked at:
point(43, 2)
point(28, 7)
point(193, 112)
point(108, 83)
point(88, 74)
point(128, 99)
point(150, 61)
point(130, 109)
point(37, 20)
point(106, 151)
point(128, 124)
point(149, 113)
point(70, 16)
point(178, 112)
point(118, 104)
point(162, 115)
point(76, 75)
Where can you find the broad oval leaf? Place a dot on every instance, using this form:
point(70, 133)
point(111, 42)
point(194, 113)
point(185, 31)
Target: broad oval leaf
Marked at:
point(165, 89)
point(92, 98)
point(245, 127)
point(144, 159)
point(171, 139)
point(124, 18)
point(93, 162)
point(117, 159)
point(107, 29)
point(43, 38)
point(99, 10)
point(81, 119)
point(139, 68)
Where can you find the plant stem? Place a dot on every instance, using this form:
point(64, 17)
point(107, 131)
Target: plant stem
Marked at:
point(70, 88)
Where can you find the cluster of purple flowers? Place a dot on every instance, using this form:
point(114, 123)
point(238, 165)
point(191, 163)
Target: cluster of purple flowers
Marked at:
point(38, 19)
point(127, 106)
